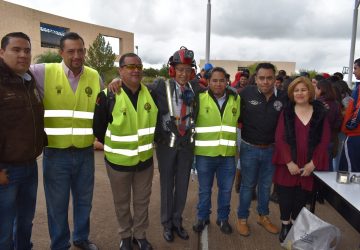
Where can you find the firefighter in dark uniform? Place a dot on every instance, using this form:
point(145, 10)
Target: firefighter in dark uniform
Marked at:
point(174, 139)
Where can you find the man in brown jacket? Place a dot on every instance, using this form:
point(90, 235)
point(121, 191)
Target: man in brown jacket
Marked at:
point(21, 141)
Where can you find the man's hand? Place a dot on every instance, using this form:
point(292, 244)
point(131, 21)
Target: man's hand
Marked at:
point(308, 169)
point(115, 86)
point(293, 168)
point(4, 180)
point(232, 91)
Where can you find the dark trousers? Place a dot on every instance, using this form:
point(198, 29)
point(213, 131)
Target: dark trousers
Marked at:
point(350, 157)
point(17, 206)
point(291, 201)
point(174, 166)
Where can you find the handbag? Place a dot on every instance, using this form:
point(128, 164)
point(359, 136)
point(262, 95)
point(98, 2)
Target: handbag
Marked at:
point(309, 232)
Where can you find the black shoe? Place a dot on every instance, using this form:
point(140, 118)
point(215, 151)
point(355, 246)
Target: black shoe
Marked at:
point(274, 197)
point(143, 244)
point(181, 232)
point(168, 234)
point(224, 226)
point(125, 244)
point(200, 225)
point(285, 229)
point(85, 245)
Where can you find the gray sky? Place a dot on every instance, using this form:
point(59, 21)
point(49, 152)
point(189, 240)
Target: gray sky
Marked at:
point(314, 34)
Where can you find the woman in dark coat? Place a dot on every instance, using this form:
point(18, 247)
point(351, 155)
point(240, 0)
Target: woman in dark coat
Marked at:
point(301, 146)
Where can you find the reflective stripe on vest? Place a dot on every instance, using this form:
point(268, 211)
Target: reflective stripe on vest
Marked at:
point(69, 115)
point(141, 132)
point(69, 131)
point(215, 143)
point(215, 129)
point(216, 135)
point(128, 152)
point(129, 138)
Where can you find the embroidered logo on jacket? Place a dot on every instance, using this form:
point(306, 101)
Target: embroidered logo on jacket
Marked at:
point(254, 102)
point(278, 105)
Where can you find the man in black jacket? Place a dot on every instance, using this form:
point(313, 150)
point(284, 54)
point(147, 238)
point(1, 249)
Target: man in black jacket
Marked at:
point(21, 141)
point(173, 137)
point(125, 124)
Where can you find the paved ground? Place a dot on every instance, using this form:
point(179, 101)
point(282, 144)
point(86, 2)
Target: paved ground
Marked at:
point(104, 224)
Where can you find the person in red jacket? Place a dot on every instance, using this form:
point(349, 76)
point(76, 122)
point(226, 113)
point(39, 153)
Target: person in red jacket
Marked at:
point(301, 145)
point(350, 157)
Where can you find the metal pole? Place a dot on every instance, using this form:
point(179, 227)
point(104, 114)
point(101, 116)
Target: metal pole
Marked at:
point(208, 22)
point(353, 41)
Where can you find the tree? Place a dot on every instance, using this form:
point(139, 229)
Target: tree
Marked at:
point(164, 71)
point(48, 57)
point(151, 72)
point(100, 56)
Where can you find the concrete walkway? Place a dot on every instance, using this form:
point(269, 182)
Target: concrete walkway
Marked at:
point(104, 223)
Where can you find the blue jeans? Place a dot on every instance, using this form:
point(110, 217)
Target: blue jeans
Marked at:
point(17, 206)
point(224, 168)
point(350, 157)
point(68, 170)
point(256, 168)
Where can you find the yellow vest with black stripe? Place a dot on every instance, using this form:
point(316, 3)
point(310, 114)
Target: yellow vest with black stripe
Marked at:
point(216, 135)
point(69, 115)
point(129, 138)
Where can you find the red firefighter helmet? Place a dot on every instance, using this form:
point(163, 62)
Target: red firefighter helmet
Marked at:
point(183, 56)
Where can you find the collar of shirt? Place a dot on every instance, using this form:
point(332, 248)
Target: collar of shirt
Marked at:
point(275, 91)
point(27, 77)
point(177, 96)
point(132, 96)
point(178, 86)
point(221, 100)
point(129, 92)
point(69, 74)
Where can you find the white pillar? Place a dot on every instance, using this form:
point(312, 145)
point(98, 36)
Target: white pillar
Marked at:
point(208, 23)
point(353, 41)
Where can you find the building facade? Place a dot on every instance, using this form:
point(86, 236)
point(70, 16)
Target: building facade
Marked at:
point(232, 67)
point(45, 29)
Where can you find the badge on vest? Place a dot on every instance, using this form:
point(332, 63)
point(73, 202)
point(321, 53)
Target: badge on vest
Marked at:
point(234, 110)
point(147, 107)
point(123, 111)
point(88, 91)
point(58, 89)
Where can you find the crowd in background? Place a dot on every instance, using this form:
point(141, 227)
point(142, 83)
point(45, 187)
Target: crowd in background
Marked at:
point(283, 127)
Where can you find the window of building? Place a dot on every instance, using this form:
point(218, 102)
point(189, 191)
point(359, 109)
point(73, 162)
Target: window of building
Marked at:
point(114, 43)
point(115, 46)
point(50, 35)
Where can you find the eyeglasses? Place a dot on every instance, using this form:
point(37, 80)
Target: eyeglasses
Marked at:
point(181, 70)
point(133, 66)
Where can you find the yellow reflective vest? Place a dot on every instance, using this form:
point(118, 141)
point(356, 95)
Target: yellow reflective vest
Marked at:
point(216, 135)
point(69, 115)
point(129, 138)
